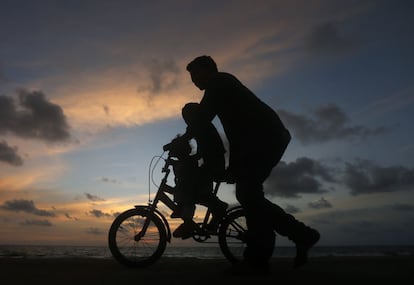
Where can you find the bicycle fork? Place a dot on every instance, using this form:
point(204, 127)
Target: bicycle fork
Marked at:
point(152, 210)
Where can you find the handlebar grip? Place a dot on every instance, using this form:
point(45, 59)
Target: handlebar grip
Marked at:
point(166, 147)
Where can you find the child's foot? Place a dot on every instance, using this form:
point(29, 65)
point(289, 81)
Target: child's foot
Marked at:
point(175, 215)
point(185, 230)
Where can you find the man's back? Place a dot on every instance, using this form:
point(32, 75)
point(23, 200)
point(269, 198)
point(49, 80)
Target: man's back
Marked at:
point(239, 110)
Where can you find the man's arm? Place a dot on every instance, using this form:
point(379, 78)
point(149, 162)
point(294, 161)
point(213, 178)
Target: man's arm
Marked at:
point(208, 106)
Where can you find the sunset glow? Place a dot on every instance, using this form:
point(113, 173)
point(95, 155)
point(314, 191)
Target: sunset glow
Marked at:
point(90, 92)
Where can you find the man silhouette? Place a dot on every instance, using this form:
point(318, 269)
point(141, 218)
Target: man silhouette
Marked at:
point(257, 140)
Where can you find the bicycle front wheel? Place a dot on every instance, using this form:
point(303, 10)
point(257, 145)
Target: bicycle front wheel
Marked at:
point(137, 238)
point(232, 235)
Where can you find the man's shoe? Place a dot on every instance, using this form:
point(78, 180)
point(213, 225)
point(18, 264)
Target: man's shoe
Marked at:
point(185, 230)
point(302, 247)
point(245, 268)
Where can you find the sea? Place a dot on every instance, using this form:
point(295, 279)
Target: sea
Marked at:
point(103, 252)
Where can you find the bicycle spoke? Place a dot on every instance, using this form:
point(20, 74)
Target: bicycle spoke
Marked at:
point(137, 238)
point(232, 236)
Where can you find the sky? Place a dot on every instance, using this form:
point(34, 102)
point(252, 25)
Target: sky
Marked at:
point(90, 91)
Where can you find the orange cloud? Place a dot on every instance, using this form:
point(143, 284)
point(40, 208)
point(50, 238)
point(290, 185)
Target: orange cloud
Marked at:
point(108, 99)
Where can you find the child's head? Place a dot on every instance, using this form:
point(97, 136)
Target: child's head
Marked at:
point(190, 113)
point(179, 147)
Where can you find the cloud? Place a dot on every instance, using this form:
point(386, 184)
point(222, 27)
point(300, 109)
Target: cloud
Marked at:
point(106, 102)
point(99, 214)
point(163, 76)
point(9, 154)
point(306, 175)
point(326, 124)
point(320, 204)
point(109, 180)
point(27, 206)
point(367, 225)
point(3, 77)
point(43, 223)
point(327, 38)
point(67, 215)
point(402, 207)
point(106, 109)
point(93, 197)
point(94, 231)
point(292, 209)
point(34, 117)
point(24, 178)
point(365, 177)
point(301, 176)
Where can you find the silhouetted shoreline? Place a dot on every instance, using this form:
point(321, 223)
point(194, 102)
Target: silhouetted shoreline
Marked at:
point(320, 270)
point(198, 251)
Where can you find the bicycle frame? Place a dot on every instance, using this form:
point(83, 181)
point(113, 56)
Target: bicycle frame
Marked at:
point(138, 237)
point(167, 201)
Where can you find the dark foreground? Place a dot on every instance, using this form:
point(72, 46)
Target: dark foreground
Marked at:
point(169, 271)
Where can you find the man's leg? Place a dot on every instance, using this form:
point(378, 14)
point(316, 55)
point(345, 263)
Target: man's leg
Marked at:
point(260, 212)
point(261, 237)
point(285, 224)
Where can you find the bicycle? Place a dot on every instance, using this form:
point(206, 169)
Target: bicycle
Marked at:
point(138, 237)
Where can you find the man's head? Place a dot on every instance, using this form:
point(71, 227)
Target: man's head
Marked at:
point(201, 69)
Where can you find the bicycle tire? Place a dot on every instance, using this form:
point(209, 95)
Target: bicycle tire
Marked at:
point(122, 238)
point(232, 235)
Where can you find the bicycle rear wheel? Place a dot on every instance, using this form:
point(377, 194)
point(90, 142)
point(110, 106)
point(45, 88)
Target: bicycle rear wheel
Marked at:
point(232, 235)
point(131, 244)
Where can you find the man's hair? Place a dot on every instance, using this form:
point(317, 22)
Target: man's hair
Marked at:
point(202, 62)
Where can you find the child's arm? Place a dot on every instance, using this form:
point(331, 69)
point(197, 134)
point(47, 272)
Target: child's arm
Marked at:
point(197, 156)
point(188, 135)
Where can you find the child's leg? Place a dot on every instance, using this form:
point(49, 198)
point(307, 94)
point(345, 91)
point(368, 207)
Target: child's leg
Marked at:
point(187, 212)
point(185, 202)
point(186, 229)
point(186, 208)
point(216, 206)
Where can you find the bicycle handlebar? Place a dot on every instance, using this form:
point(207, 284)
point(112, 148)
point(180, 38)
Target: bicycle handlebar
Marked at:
point(167, 147)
